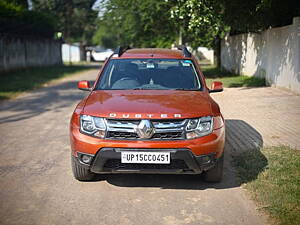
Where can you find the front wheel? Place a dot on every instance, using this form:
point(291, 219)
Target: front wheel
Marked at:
point(216, 173)
point(80, 172)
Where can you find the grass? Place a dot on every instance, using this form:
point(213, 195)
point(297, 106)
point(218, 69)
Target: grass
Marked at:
point(273, 177)
point(228, 79)
point(14, 83)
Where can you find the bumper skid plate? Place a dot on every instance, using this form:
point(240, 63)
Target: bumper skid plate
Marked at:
point(108, 160)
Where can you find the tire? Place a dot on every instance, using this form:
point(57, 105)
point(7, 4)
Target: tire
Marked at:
point(216, 173)
point(80, 172)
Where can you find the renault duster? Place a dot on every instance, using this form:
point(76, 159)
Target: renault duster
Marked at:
point(149, 111)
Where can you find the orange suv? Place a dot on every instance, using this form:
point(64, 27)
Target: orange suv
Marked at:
point(149, 111)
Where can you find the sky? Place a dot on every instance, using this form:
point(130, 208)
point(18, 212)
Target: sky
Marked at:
point(29, 4)
point(99, 5)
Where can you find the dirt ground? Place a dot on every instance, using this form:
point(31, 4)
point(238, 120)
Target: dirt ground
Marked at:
point(37, 187)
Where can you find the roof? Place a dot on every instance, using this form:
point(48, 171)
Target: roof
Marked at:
point(152, 53)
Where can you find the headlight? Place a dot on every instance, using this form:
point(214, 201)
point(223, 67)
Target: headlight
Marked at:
point(199, 127)
point(91, 125)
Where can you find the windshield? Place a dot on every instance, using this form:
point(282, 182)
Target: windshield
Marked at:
point(163, 74)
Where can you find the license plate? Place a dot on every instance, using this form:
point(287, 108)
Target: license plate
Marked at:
point(146, 157)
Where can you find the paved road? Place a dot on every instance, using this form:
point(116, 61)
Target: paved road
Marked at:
point(273, 115)
point(37, 187)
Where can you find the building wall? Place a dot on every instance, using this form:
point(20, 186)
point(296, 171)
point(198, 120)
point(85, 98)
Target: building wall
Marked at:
point(23, 52)
point(273, 54)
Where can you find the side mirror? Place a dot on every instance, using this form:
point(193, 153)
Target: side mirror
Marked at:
point(84, 85)
point(216, 86)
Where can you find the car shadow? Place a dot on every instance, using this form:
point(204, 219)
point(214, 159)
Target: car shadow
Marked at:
point(52, 98)
point(240, 139)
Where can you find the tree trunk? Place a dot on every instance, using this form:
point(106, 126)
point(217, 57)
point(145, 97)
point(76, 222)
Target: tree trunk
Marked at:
point(218, 51)
point(82, 52)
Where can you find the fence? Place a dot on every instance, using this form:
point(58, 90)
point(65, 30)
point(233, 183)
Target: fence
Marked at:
point(22, 52)
point(71, 53)
point(273, 54)
point(206, 54)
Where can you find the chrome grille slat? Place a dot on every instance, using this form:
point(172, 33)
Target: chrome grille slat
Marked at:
point(171, 129)
point(165, 125)
point(121, 130)
point(123, 125)
point(120, 124)
point(168, 130)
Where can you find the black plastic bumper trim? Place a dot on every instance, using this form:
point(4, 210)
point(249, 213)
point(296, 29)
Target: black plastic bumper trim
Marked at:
point(194, 163)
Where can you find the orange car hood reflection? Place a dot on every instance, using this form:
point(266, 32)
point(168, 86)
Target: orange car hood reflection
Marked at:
point(146, 104)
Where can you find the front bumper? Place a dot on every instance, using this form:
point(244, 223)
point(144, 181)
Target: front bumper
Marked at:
point(212, 143)
point(183, 161)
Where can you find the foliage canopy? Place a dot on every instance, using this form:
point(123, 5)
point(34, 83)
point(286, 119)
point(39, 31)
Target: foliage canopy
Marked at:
point(137, 23)
point(16, 19)
point(144, 23)
point(258, 15)
point(75, 18)
point(158, 23)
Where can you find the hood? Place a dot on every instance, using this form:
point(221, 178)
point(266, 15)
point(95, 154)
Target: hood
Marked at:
point(147, 104)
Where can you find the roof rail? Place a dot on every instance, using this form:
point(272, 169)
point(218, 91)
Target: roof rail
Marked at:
point(185, 51)
point(121, 49)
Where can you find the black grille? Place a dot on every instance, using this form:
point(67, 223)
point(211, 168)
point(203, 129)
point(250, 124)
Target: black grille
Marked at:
point(156, 136)
point(117, 165)
point(170, 135)
point(121, 135)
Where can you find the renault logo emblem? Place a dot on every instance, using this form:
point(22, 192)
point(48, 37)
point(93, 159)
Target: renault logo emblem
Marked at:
point(145, 129)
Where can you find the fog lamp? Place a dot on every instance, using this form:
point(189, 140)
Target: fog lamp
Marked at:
point(205, 159)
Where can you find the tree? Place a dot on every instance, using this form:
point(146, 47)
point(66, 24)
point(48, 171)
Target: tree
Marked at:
point(201, 22)
point(16, 19)
point(139, 23)
point(22, 3)
point(205, 22)
point(75, 18)
point(258, 15)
